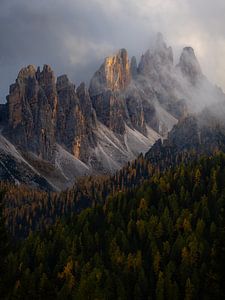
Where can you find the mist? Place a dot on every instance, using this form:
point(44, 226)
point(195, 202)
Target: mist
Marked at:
point(74, 36)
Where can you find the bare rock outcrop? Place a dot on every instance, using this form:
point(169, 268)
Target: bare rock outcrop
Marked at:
point(32, 105)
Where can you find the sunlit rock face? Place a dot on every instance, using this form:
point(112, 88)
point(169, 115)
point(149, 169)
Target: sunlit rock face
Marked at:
point(117, 71)
point(80, 131)
point(106, 90)
point(138, 95)
point(114, 74)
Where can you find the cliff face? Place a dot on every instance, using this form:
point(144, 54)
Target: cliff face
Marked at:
point(113, 75)
point(189, 66)
point(149, 94)
point(3, 114)
point(43, 112)
point(63, 132)
point(124, 94)
point(32, 105)
point(157, 60)
point(75, 119)
point(106, 88)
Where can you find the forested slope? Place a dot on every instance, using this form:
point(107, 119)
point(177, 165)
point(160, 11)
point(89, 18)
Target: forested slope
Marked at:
point(161, 240)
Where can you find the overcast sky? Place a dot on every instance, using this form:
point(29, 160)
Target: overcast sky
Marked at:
point(74, 36)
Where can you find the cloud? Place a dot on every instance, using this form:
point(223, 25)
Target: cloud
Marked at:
point(74, 36)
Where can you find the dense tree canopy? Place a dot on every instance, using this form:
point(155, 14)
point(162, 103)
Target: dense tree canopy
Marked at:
point(150, 235)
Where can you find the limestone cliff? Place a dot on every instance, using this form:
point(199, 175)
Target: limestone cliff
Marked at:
point(113, 75)
point(75, 119)
point(32, 104)
point(60, 132)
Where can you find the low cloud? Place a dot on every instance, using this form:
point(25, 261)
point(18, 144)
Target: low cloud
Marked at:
point(74, 36)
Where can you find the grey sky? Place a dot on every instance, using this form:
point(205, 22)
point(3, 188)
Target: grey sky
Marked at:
point(74, 36)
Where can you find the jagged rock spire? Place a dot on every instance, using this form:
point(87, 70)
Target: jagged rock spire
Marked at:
point(157, 57)
point(32, 103)
point(189, 65)
point(114, 74)
point(133, 67)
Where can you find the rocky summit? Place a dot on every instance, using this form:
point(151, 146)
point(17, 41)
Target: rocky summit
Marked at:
point(189, 66)
point(53, 132)
point(32, 107)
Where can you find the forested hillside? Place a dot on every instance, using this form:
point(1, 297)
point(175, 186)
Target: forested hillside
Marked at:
point(27, 209)
point(162, 239)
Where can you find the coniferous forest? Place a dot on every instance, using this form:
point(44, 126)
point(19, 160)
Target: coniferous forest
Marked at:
point(144, 234)
point(112, 150)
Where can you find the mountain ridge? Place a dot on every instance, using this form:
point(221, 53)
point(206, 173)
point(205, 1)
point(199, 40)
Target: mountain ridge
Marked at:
point(126, 108)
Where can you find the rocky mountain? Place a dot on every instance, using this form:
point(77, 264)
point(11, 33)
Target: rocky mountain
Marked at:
point(58, 131)
point(32, 108)
point(189, 66)
point(194, 136)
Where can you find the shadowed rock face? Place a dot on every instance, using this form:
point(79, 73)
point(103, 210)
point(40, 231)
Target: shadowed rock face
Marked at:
point(189, 66)
point(75, 118)
point(32, 104)
point(43, 112)
point(133, 67)
point(193, 136)
point(157, 60)
point(3, 114)
point(62, 132)
point(68, 104)
point(110, 110)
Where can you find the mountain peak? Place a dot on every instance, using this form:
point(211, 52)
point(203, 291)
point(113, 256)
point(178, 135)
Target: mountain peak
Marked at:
point(156, 58)
point(29, 71)
point(46, 77)
point(47, 69)
point(31, 104)
point(133, 67)
point(62, 82)
point(114, 74)
point(189, 65)
point(188, 55)
point(161, 50)
point(81, 90)
point(117, 70)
